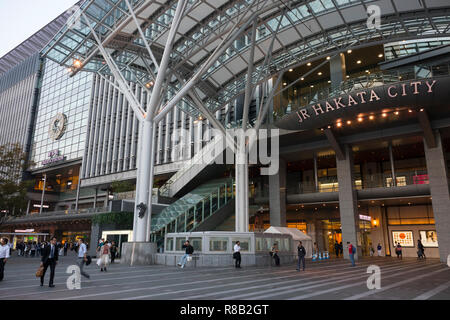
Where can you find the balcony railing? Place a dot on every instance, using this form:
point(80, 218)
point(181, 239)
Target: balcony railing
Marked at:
point(384, 180)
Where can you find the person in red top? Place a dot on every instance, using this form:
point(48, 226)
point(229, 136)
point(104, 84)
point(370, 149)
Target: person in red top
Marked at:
point(351, 253)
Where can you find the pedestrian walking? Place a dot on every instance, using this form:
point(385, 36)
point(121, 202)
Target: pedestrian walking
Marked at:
point(49, 259)
point(379, 249)
point(4, 256)
point(351, 253)
point(237, 254)
point(274, 254)
point(82, 256)
point(113, 250)
point(420, 250)
point(33, 249)
point(341, 247)
point(188, 251)
point(104, 256)
point(301, 255)
point(66, 247)
point(398, 251)
point(337, 249)
point(372, 252)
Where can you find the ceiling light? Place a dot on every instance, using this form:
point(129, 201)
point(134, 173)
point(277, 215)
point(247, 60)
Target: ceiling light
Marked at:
point(360, 119)
point(347, 77)
point(328, 58)
point(302, 79)
point(329, 81)
point(284, 83)
point(409, 110)
point(308, 64)
point(319, 73)
point(371, 117)
point(396, 113)
point(380, 55)
point(77, 63)
point(384, 115)
point(312, 86)
point(421, 110)
point(290, 70)
point(359, 62)
point(349, 51)
point(349, 122)
point(367, 71)
point(339, 124)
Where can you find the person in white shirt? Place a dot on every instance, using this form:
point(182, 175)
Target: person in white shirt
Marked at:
point(237, 254)
point(82, 256)
point(4, 255)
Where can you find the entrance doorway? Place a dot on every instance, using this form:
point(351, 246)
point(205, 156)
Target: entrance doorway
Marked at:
point(119, 237)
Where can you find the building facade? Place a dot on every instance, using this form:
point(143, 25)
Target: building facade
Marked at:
point(363, 146)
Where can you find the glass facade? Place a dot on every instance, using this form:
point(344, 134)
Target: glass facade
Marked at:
point(63, 111)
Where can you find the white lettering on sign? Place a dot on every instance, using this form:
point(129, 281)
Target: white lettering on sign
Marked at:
point(363, 97)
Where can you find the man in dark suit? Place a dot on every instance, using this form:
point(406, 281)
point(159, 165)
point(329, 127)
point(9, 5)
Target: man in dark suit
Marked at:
point(49, 258)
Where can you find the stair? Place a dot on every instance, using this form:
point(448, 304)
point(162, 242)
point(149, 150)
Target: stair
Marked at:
point(195, 208)
point(205, 157)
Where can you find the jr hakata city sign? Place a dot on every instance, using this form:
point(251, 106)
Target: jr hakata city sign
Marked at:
point(426, 93)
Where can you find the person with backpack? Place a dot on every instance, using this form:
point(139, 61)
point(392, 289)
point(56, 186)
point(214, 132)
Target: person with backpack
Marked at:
point(420, 250)
point(351, 252)
point(188, 251)
point(301, 255)
point(398, 251)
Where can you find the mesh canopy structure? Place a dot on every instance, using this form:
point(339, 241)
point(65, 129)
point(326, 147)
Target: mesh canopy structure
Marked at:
point(299, 31)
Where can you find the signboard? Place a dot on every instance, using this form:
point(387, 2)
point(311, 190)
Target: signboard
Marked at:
point(405, 238)
point(24, 231)
point(53, 156)
point(363, 217)
point(426, 93)
point(429, 238)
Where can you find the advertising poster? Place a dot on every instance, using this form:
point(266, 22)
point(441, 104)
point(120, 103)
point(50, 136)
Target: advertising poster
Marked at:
point(429, 238)
point(405, 238)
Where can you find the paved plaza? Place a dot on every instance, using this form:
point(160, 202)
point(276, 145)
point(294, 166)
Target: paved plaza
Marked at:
point(332, 279)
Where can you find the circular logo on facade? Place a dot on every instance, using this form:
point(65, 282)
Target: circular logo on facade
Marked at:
point(57, 126)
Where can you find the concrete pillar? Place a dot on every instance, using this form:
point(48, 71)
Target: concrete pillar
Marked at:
point(316, 174)
point(437, 173)
point(348, 205)
point(391, 159)
point(338, 71)
point(277, 196)
point(311, 229)
point(320, 239)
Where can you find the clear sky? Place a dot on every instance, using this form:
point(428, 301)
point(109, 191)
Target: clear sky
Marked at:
point(20, 19)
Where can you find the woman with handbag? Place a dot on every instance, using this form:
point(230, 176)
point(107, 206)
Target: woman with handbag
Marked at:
point(105, 251)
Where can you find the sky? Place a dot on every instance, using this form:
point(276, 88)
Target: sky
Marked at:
point(20, 19)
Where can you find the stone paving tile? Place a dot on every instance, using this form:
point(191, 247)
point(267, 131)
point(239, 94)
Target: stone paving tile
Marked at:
point(332, 279)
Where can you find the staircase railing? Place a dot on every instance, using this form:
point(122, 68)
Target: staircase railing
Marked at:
point(191, 210)
point(195, 160)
